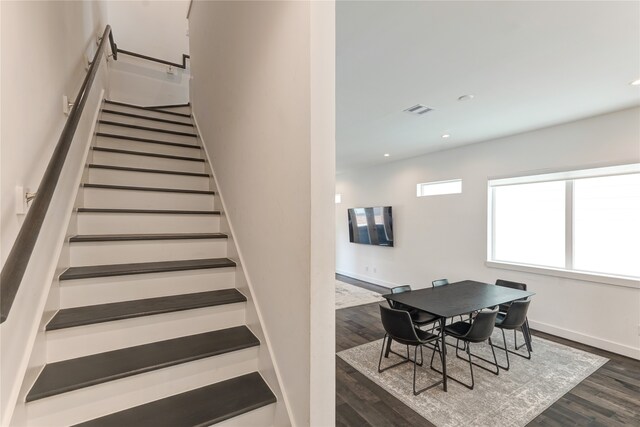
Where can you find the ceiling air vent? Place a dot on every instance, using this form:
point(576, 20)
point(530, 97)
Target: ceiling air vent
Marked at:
point(418, 109)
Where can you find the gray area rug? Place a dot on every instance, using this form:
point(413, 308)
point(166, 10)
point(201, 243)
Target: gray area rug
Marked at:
point(350, 295)
point(513, 398)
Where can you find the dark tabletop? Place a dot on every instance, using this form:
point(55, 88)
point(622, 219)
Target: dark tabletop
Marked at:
point(458, 298)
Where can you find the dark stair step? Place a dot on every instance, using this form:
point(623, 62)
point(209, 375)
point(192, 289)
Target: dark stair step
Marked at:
point(131, 237)
point(148, 211)
point(200, 407)
point(138, 116)
point(164, 171)
point(125, 125)
point(74, 374)
point(134, 188)
point(150, 141)
point(143, 153)
point(90, 271)
point(155, 107)
point(100, 313)
point(146, 108)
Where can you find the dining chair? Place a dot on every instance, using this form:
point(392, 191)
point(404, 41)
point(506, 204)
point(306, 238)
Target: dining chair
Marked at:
point(439, 282)
point(399, 326)
point(476, 331)
point(505, 307)
point(418, 317)
point(514, 319)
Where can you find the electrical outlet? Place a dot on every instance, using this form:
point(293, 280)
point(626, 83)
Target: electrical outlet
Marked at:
point(366, 268)
point(375, 270)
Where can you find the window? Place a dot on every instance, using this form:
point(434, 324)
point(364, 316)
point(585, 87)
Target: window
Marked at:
point(579, 221)
point(453, 186)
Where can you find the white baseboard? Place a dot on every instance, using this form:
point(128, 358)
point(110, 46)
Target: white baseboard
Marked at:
point(601, 343)
point(367, 279)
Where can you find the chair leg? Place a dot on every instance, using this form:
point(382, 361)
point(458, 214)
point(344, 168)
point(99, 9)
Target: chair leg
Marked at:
point(494, 363)
point(404, 360)
point(527, 356)
point(468, 351)
point(415, 365)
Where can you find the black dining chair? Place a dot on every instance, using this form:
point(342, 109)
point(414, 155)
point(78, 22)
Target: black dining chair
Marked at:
point(505, 307)
point(439, 282)
point(399, 327)
point(514, 319)
point(418, 317)
point(476, 331)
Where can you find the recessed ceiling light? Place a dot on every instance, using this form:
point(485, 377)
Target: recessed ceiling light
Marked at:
point(446, 135)
point(465, 97)
point(635, 83)
point(386, 154)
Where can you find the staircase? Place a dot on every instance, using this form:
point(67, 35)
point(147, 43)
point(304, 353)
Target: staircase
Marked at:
point(151, 330)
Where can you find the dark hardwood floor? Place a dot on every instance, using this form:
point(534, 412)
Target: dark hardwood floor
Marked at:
point(609, 397)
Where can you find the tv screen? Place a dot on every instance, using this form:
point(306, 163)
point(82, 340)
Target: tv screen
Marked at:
point(371, 226)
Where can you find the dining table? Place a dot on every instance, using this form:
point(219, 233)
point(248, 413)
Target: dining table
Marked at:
point(456, 299)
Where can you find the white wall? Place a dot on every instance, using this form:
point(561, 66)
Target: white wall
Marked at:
point(43, 57)
point(446, 236)
point(253, 92)
point(152, 28)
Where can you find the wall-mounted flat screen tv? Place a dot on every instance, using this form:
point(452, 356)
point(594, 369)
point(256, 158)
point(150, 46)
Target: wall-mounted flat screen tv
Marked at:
point(371, 226)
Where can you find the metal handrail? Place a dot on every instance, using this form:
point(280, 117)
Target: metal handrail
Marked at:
point(18, 259)
point(161, 61)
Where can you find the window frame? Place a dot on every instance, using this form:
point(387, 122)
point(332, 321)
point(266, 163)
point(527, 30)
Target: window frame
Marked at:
point(568, 176)
point(435, 183)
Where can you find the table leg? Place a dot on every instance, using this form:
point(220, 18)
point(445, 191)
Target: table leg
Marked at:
point(388, 349)
point(444, 355)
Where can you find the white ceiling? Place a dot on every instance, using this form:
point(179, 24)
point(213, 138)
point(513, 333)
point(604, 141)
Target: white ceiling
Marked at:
point(529, 65)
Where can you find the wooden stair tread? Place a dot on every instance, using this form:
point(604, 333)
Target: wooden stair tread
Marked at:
point(108, 270)
point(100, 313)
point(124, 104)
point(139, 116)
point(146, 154)
point(150, 141)
point(135, 188)
point(163, 171)
point(73, 374)
point(147, 211)
point(145, 128)
point(200, 407)
point(131, 237)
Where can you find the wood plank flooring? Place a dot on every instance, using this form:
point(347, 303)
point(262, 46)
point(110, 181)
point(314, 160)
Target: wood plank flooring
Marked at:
point(609, 397)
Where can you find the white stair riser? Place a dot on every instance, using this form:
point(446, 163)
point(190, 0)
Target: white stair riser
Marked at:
point(149, 134)
point(113, 396)
point(148, 123)
point(133, 199)
point(148, 113)
point(103, 253)
point(69, 343)
point(147, 147)
point(262, 417)
point(147, 179)
point(146, 162)
point(102, 290)
point(121, 223)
